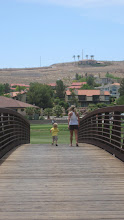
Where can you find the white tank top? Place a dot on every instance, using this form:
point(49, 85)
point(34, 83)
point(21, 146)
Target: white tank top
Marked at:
point(73, 119)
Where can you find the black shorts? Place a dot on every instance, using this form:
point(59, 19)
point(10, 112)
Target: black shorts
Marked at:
point(73, 127)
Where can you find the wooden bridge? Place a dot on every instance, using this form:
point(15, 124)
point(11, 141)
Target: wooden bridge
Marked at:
point(39, 182)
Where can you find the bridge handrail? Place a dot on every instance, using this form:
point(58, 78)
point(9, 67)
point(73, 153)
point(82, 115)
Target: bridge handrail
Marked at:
point(14, 130)
point(104, 128)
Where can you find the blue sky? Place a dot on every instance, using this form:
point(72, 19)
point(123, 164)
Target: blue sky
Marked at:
point(44, 32)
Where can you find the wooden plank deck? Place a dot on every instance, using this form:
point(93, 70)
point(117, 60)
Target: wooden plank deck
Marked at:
point(39, 182)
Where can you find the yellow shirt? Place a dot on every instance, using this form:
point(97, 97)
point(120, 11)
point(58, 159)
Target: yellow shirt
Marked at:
point(54, 131)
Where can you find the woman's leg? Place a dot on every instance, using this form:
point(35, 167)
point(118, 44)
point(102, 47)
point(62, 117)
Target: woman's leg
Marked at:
point(71, 137)
point(76, 136)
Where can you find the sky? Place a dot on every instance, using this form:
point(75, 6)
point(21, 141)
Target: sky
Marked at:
point(38, 33)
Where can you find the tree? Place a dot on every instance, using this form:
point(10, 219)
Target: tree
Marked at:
point(78, 56)
point(86, 86)
point(87, 57)
point(29, 110)
point(20, 88)
point(74, 57)
point(120, 101)
point(6, 88)
point(1, 89)
point(48, 112)
point(60, 89)
point(57, 110)
point(121, 90)
point(92, 57)
point(90, 81)
point(41, 95)
point(74, 100)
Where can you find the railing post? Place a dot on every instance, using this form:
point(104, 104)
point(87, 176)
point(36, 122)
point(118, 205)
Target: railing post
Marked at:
point(99, 126)
point(116, 129)
point(106, 127)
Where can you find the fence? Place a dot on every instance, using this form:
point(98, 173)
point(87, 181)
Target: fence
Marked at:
point(104, 128)
point(14, 130)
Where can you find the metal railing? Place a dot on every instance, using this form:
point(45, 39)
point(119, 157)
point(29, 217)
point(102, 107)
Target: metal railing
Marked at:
point(105, 129)
point(14, 130)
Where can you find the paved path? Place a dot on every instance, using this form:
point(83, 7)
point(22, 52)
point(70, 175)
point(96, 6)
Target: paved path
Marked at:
point(39, 182)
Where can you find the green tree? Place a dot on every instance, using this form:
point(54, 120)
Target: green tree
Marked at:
point(41, 95)
point(57, 110)
point(6, 88)
point(60, 89)
point(1, 89)
point(29, 110)
point(90, 81)
point(56, 101)
point(120, 101)
point(121, 90)
point(48, 112)
point(74, 100)
point(20, 88)
point(86, 86)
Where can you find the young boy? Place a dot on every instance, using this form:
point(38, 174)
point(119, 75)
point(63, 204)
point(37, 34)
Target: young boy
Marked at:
point(54, 132)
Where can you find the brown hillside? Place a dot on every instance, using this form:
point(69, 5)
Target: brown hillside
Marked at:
point(63, 71)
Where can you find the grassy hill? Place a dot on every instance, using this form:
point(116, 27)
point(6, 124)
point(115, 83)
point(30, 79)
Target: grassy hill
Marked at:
point(63, 71)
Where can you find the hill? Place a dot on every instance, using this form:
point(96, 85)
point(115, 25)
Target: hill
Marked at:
point(63, 71)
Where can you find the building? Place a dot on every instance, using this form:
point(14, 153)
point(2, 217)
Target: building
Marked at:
point(112, 88)
point(104, 80)
point(15, 105)
point(86, 97)
point(20, 96)
point(76, 85)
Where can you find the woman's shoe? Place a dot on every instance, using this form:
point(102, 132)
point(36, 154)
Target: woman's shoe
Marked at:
point(77, 145)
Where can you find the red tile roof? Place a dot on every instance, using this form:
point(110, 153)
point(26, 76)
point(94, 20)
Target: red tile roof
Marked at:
point(19, 85)
point(116, 84)
point(78, 83)
point(106, 93)
point(88, 92)
point(14, 94)
point(74, 87)
point(11, 103)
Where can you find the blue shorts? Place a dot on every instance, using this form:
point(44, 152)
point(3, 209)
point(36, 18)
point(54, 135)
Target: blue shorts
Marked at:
point(73, 127)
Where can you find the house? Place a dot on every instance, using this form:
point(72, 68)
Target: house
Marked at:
point(76, 85)
point(20, 96)
point(86, 97)
point(15, 105)
point(53, 85)
point(104, 80)
point(112, 88)
point(17, 84)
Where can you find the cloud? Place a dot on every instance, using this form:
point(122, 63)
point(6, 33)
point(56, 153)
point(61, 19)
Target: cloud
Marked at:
point(79, 3)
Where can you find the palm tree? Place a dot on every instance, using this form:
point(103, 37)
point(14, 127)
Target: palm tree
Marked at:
point(92, 57)
point(74, 57)
point(78, 56)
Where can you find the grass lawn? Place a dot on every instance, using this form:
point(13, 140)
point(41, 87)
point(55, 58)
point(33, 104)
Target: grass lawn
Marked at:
point(40, 134)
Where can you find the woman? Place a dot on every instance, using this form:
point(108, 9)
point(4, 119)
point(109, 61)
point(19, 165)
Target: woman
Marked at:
point(73, 124)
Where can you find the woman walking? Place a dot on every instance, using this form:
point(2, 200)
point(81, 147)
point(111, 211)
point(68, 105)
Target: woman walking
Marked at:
point(73, 124)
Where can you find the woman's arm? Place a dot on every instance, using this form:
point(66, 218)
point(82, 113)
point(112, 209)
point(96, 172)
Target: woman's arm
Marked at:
point(78, 119)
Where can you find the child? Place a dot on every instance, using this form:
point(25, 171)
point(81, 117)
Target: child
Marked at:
point(54, 132)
